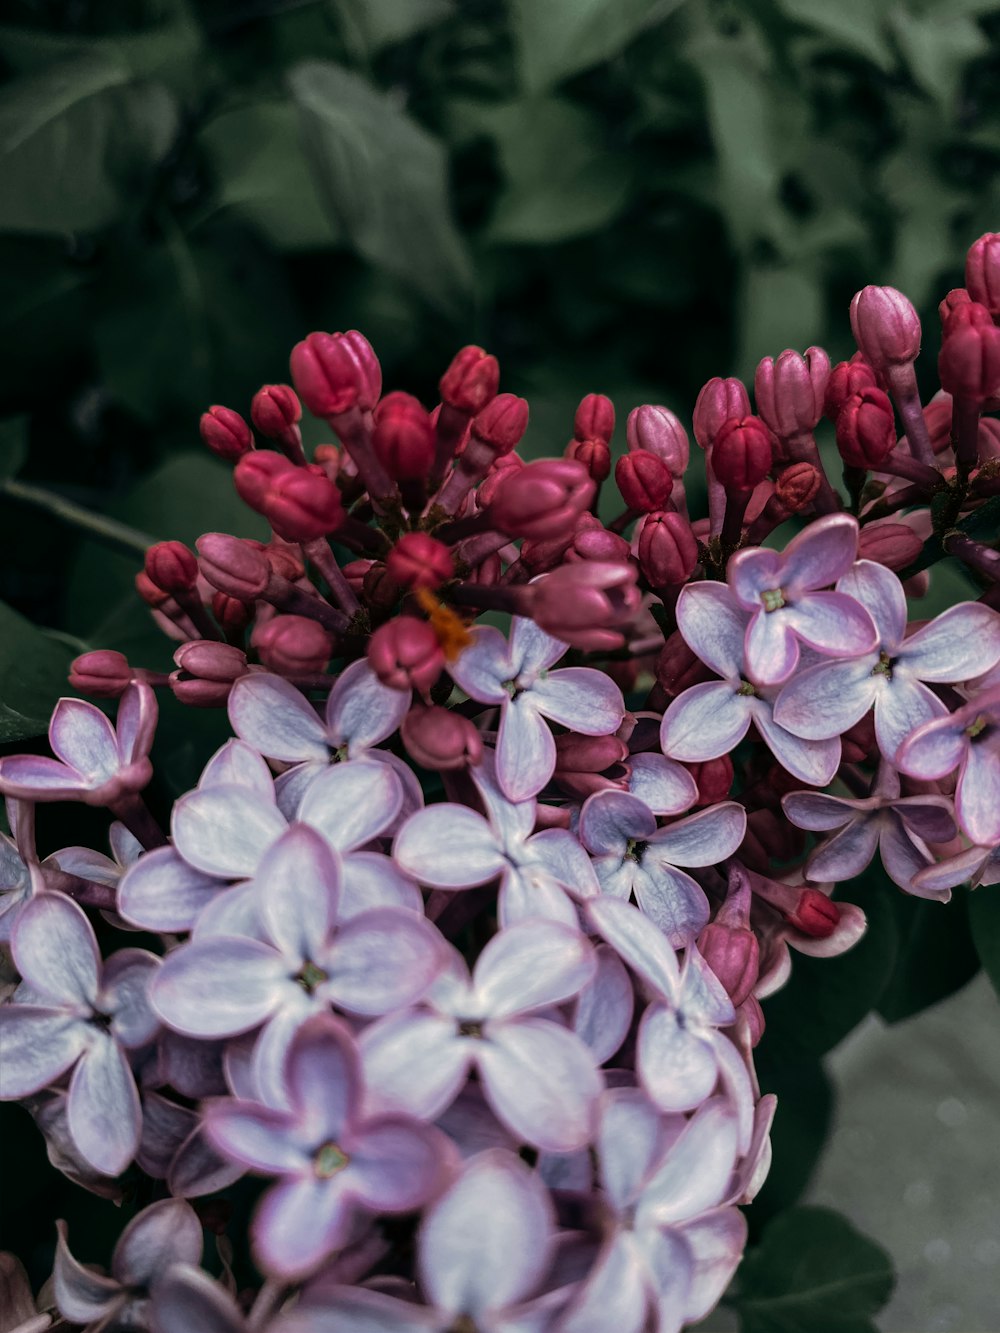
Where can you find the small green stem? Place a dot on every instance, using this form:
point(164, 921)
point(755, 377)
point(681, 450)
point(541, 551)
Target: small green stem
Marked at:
point(107, 530)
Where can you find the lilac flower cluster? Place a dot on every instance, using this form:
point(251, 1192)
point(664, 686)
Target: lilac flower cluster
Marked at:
point(454, 947)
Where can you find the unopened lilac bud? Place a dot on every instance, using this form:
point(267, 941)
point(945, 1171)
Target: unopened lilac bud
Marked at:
point(420, 561)
point(790, 391)
point(328, 457)
point(438, 739)
point(379, 589)
point(226, 433)
point(355, 572)
point(982, 271)
point(103, 673)
point(500, 470)
point(751, 1017)
point(894, 545)
point(846, 379)
point(886, 327)
point(403, 439)
point(587, 602)
point(236, 567)
point(595, 418)
point(592, 541)
point(471, 381)
point(542, 500)
point(594, 455)
point(743, 453)
point(502, 423)
point(588, 754)
point(171, 567)
point(232, 615)
point(255, 475)
point(719, 401)
point(969, 361)
point(405, 654)
point(797, 485)
point(293, 645)
point(152, 595)
point(956, 297)
point(303, 504)
point(276, 410)
point(659, 431)
point(714, 778)
point(336, 371)
point(667, 549)
point(678, 667)
point(866, 429)
point(206, 672)
point(815, 914)
point(644, 480)
point(733, 954)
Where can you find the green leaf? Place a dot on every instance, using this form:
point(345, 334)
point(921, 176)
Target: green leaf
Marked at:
point(75, 141)
point(33, 669)
point(370, 25)
point(984, 919)
point(938, 47)
point(383, 179)
point(13, 446)
point(813, 1273)
point(936, 955)
point(854, 25)
point(561, 37)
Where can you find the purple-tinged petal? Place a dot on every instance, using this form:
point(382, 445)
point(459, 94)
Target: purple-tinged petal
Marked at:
point(532, 965)
point(585, 700)
point(705, 722)
point(619, 877)
point(668, 1262)
point(540, 1081)
point(702, 996)
point(818, 811)
point(934, 750)
point(81, 1295)
point(358, 1310)
point(667, 788)
point(603, 1011)
point(219, 987)
point(528, 893)
point(225, 830)
point(55, 950)
point(83, 738)
point(958, 645)
point(197, 1169)
point(103, 1112)
point(736, 1080)
point(484, 666)
point(701, 839)
point(276, 719)
point(561, 854)
point(487, 1242)
point(977, 796)
point(673, 901)
point(846, 853)
point(291, 786)
point(370, 879)
point(615, 1295)
point(901, 857)
point(677, 1067)
point(531, 649)
point(124, 996)
point(814, 762)
point(413, 1062)
point(165, 1127)
point(271, 1049)
point(31, 777)
point(231, 911)
point(631, 1140)
point(930, 817)
point(125, 846)
point(260, 1138)
point(820, 554)
point(713, 624)
point(395, 1163)
point(361, 711)
point(161, 892)
point(770, 648)
point(323, 1077)
point(637, 942)
point(902, 705)
point(512, 821)
point(449, 846)
point(937, 881)
point(751, 572)
point(526, 750)
point(695, 1172)
point(237, 764)
point(878, 590)
point(610, 820)
point(38, 1046)
point(352, 803)
point(86, 863)
point(165, 1233)
point(382, 960)
point(299, 1223)
point(135, 722)
point(825, 700)
point(188, 1301)
point(297, 887)
point(716, 1241)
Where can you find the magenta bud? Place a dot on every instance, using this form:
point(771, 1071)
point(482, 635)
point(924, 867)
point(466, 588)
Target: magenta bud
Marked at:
point(276, 412)
point(438, 739)
point(405, 654)
point(593, 454)
point(591, 540)
point(500, 470)
point(502, 423)
point(894, 545)
point(797, 485)
point(866, 429)
point(846, 379)
point(236, 567)
point(594, 418)
point(403, 438)
point(678, 668)
point(303, 504)
point(171, 567)
point(733, 955)
point(969, 361)
point(149, 592)
point(982, 271)
point(103, 673)
point(255, 475)
point(293, 645)
point(231, 614)
point(790, 391)
point(815, 914)
point(644, 480)
point(226, 433)
point(588, 754)
point(718, 401)
point(886, 327)
point(956, 297)
point(471, 381)
point(714, 778)
point(658, 431)
point(379, 589)
point(336, 371)
point(205, 672)
point(587, 602)
point(420, 561)
point(742, 454)
point(542, 500)
point(668, 551)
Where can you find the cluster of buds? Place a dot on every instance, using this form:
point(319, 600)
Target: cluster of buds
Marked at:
point(655, 785)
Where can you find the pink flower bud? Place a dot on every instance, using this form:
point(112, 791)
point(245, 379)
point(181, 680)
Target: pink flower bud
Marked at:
point(751, 1017)
point(659, 431)
point(668, 551)
point(336, 371)
point(894, 545)
point(500, 470)
point(967, 312)
point(236, 567)
point(379, 589)
point(231, 614)
point(595, 418)
point(327, 457)
point(982, 271)
point(542, 500)
point(171, 567)
point(471, 380)
point(678, 668)
point(226, 433)
point(886, 327)
point(285, 561)
point(403, 439)
point(405, 654)
point(275, 410)
point(293, 645)
point(585, 603)
point(789, 391)
point(588, 754)
point(742, 453)
point(438, 739)
point(592, 541)
point(644, 481)
point(937, 419)
point(714, 778)
point(969, 361)
point(866, 429)
point(205, 672)
point(420, 561)
point(956, 297)
point(718, 401)
point(502, 423)
point(102, 673)
point(815, 915)
point(593, 454)
point(846, 379)
point(797, 485)
point(303, 504)
point(149, 592)
point(255, 475)
point(733, 955)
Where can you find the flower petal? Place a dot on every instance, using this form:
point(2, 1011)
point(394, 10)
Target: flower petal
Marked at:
point(135, 722)
point(361, 711)
point(705, 722)
point(771, 650)
point(161, 892)
point(31, 777)
point(611, 819)
point(615, 1294)
point(881, 594)
point(637, 942)
point(526, 750)
point(531, 965)
point(103, 1112)
point(413, 1062)
point(934, 750)
point(540, 1081)
point(821, 553)
point(825, 700)
point(299, 1223)
point(237, 764)
point(677, 1068)
point(125, 996)
point(55, 949)
point(752, 571)
point(701, 839)
point(370, 879)
point(382, 960)
point(297, 886)
point(165, 1233)
point(833, 623)
point(272, 716)
point(260, 1138)
point(667, 788)
point(714, 626)
point(188, 1301)
point(449, 846)
point(564, 859)
point(83, 738)
point(695, 1172)
point(224, 831)
point(531, 648)
point(703, 998)
point(958, 645)
point(818, 811)
point(219, 987)
point(395, 1163)
point(716, 1241)
point(977, 796)
point(604, 1007)
point(846, 853)
point(814, 762)
point(484, 666)
point(323, 1077)
point(38, 1045)
point(81, 1295)
point(352, 803)
point(631, 1139)
point(585, 700)
point(901, 857)
point(902, 705)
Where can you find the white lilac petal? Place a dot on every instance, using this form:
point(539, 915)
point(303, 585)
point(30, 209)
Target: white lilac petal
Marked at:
point(677, 1067)
point(930, 817)
point(224, 831)
point(381, 960)
point(610, 820)
point(631, 1140)
point(529, 893)
point(751, 572)
point(713, 625)
point(704, 722)
point(977, 796)
point(352, 803)
point(819, 812)
point(125, 846)
point(483, 668)
point(603, 1011)
point(413, 1062)
point(749, 1177)
point(291, 786)
point(395, 1163)
point(258, 1138)
point(736, 1080)
point(847, 852)
point(902, 705)
point(300, 1222)
point(86, 863)
point(371, 879)
point(81, 1295)
point(271, 1048)
point(880, 592)
point(297, 888)
point(702, 997)
point(560, 852)
point(124, 996)
point(637, 942)
point(38, 1045)
point(958, 645)
point(232, 911)
point(821, 553)
point(701, 839)
point(615, 1293)
point(237, 764)
point(361, 711)
point(512, 821)
point(716, 1241)
point(102, 1110)
point(666, 787)
point(531, 965)
point(673, 901)
point(165, 1127)
point(532, 650)
point(526, 750)
point(276, 719)
point(585, 700)
point(901, 856)
point(83, 738)
point(197, 1169)
point(188, 1301)
point(934, 750)
point(358, 1310)
point(135, 721)
point(323, 1078)
point(695, 1173)
point(161, 892)
point(619, 877)
point(826, 700)
point(770, 648)
point(30, 777)
point(165, 1233)
point(219, 987)
point(448, 846)
point(937, 881)
point(55, 950)
point(540, 1080)
point(815, 762)
point(473, 1128)
point(486, 1243)
point(668, 1262)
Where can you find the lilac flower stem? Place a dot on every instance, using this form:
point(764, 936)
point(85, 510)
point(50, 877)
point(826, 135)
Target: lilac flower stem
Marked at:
point(358, 536)
point(296, 601)
point(133, 812)
point(732, 524)
point(462, 529)
point(290, 445)
point(319, 553)
point(475, 550)
point(903, 383)
point(489, 597)
point(86, 892)
point(355, 435)
point(893, 501)
point(191, 604)
point(451, 426)
point(716, 498)
point(912, 469)
point(965, 433)
point(804, 449)
point(983, 559)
